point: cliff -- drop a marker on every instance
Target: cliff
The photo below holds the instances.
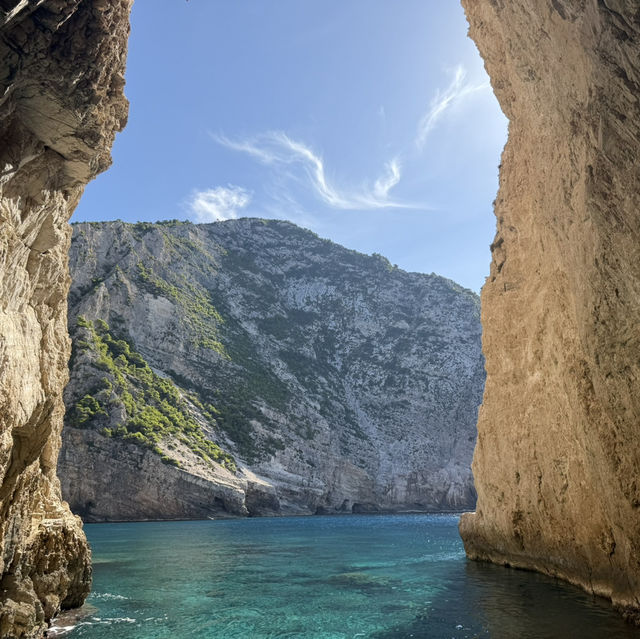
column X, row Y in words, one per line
column 557, row 458
column 61, row 101
column 250, row 367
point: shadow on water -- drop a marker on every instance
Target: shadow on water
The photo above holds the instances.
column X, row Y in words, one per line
column 485, row 600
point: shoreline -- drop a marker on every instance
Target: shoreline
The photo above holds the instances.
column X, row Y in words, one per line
column 292, row 515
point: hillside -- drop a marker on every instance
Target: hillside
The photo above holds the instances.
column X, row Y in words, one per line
column 250, row 367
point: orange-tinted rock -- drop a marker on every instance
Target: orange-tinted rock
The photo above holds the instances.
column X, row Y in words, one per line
column 557, row 460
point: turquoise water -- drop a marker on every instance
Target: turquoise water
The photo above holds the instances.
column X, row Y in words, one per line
column 384, row 577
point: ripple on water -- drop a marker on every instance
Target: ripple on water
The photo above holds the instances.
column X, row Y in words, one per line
column 391, row 577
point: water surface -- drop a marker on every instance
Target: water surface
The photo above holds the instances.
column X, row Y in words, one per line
column 384, row 577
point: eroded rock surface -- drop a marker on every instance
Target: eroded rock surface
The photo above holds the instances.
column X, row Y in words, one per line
column 558, row 455
column 330, row 381
column 61, row 101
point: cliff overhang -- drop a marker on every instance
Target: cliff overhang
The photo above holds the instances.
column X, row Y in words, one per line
column 61, row 102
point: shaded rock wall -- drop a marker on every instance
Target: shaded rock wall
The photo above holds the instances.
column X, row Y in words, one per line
column 557, row 459
column 108, row 479
column 61, row 101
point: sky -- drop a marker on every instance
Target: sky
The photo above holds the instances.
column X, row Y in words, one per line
column 370, row 122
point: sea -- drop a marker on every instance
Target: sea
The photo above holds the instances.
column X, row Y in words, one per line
column 334, row 577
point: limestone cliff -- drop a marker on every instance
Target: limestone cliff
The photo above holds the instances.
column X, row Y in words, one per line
column 61, row 101
column 251, row 367
column 558, row 454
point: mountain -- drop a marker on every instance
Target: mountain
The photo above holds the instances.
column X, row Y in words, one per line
column 250, row 367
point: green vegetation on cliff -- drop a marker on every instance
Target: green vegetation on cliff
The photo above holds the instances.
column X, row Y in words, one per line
column 193, row 301
column 329, row 372
column 152, row 407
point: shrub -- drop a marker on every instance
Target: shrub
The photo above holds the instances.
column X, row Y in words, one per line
column 154, row 406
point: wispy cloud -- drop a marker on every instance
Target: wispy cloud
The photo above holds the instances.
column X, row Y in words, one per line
column 219, row 203
column 277, row 148
column 456, row 92
column 293, row 161
column 387, row 181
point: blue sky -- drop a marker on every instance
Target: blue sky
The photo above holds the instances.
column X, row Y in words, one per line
column 370, row 122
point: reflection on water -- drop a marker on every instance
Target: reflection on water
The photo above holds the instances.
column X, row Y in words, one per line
column 492, row 601
column 387, row 577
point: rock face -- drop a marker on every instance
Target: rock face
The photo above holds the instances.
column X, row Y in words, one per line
column 330, row 381
column 558, row 453
column 61, row 102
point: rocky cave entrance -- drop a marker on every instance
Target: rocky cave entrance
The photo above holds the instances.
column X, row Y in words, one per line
column 567, row 222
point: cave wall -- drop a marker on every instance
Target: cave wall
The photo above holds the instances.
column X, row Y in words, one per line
column 557, row 460
column 61, row 102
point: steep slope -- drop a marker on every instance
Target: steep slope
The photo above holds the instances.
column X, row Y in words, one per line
column 556, row 465
column 328, row 380
column 61, row 81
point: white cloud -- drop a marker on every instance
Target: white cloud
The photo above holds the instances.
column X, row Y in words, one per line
column 456, row 92
column 276, row 147
column 219, row 203
column 294, row 161
column 387, row 181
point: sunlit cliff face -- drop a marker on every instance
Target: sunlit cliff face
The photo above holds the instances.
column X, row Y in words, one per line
column 332, row 380
column 558, row 454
